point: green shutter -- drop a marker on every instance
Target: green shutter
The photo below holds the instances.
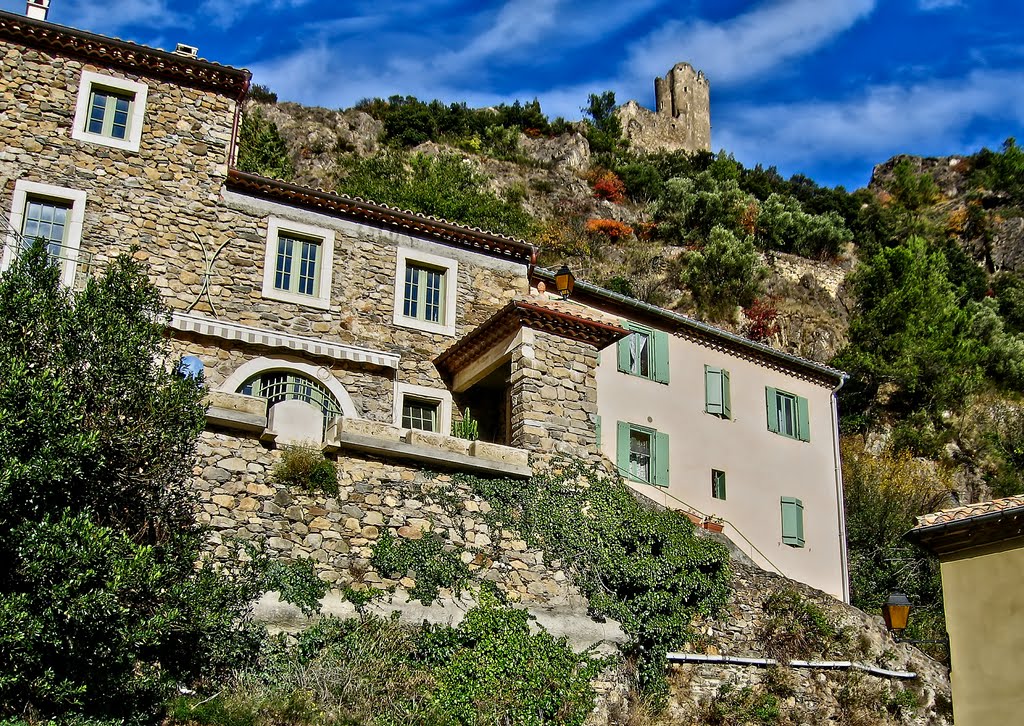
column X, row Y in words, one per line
column 803, row 421
column 717, row 484
column 726, row 397
column 597, row 431
column 792, row 521
column 660, row 340
column 623, row 349
column 713, row 402
column 622, row 447
column 773, row 411
column 661, row 457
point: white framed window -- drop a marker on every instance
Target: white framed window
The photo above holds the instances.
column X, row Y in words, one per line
column 55, row 214
column 298, row 264
column 110, row 111
column 425, row 292
column 423, row 408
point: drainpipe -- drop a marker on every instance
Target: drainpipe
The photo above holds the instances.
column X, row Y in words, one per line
column 839, row 490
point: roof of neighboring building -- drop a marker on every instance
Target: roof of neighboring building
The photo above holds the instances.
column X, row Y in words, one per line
column 366, row 211
column 124, row 54
column 703, row 333
column 539, row 313
column 973, row 525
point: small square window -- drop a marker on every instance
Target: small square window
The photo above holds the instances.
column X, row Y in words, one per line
column 419, row 414
column 299, row 258
column 110, row 111
column 425, row 292
column 717, row 484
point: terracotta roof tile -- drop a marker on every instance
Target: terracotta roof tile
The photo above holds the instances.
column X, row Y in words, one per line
column 958, row 514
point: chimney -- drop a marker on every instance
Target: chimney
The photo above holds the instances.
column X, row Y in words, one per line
column 189, row 51
column 38, row 9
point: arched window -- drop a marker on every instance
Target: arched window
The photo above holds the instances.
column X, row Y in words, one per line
column 277, row 386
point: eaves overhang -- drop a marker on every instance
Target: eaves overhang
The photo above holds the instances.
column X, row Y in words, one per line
column 361, row 210
column 971, row 526
column 114, row 52
column 703, row 333
column 537, row 315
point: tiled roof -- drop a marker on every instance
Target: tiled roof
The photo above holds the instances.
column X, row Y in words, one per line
column 969, row 511
column 107, row 51
column 361, row 209
column 566, row 319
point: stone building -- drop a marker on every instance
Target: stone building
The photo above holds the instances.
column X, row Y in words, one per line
column 365, row 330
column 682, row 117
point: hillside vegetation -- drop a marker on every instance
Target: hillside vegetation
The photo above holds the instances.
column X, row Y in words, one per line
column 929, row 321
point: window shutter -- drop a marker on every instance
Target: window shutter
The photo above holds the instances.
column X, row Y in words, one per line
column 803, row 421
column 623, row 349
column 713, row 402
column 726, row 397
column 773, row 411
column 622, row 447
column 660, row 340
column 597, row 431
column 661, row 457
column 792, row 522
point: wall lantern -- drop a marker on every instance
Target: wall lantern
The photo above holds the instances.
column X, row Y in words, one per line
column 564, row 282
column 896, row 612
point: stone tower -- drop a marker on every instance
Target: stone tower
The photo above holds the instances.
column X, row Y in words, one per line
column 682, row 121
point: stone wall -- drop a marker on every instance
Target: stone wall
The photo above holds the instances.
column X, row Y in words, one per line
column 805, row 695
column 238, row 498
column 554, row 395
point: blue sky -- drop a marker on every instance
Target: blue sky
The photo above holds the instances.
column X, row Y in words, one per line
column 825, row 88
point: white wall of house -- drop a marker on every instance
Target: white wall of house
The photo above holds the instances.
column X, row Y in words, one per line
column 760, row 466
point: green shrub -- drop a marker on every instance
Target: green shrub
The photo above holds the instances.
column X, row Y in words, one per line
column 741, row 706
column 261, row 150
column 425, row 559
column 795, row 627
column 305, row 466
column 723, row 274
column 645, row 568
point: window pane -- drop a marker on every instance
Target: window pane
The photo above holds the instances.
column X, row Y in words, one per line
column 412, row 292
column 283, row 270
column 639, row 354
column 97, row 109
column 119, row 129
column 640, row 455
column 432, row 304
column 47, row 221
column 307, row 269
column 418, row 414
column 786, row 410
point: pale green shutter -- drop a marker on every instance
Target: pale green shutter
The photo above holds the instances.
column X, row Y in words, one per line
column 726, row 397
column 792, row 521
column 660, row 340
column 773, row 409
column 661, row 457
column 622, row 447
column 623, row 349
column 803, row 421
column 713, row 402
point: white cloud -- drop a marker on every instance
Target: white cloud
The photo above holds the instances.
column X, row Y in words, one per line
column 929, row 5
column 98, row 16
column 749, row 45
column 224, row 13
column 932, row 117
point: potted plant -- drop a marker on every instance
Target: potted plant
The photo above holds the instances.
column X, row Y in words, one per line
column 713, row 524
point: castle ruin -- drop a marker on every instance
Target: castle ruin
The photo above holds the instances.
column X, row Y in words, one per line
column 682, row 121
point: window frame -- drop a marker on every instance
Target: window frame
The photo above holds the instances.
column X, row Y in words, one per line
column 24, row 192
column 91, row 81
column 792, row 521
column 801, row 414
column 660, row 453
column 440, row 396
column 276, row 226
column 657, row 352
column 718, row 486
column 449, row 312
